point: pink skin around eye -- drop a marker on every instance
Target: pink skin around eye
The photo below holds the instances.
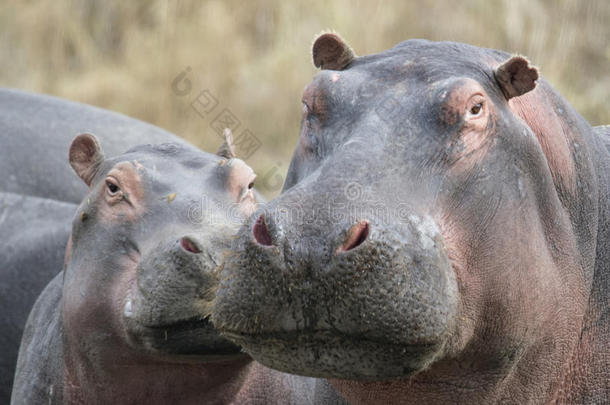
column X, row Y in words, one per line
column 112, row 187
column 240, row 177
column 128, row 200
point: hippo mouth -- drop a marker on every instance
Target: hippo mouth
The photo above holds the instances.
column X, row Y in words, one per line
column 194, row 337
column 316, row 353
column 318, row 335
column 185, row 325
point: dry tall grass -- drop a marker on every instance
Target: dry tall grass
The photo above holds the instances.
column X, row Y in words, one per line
column 254, row 56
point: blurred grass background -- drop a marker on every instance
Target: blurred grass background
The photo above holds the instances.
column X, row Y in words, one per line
column 254, row 57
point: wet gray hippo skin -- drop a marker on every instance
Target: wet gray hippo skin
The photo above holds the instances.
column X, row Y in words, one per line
column 124, row 322
column 35, row 130
column 34, row 235
column 38, row 188
column 442, row 237
column 604, row 133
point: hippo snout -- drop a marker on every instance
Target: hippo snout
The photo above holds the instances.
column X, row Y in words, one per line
column 297, row 285
column 178, row 274
column 171, row 294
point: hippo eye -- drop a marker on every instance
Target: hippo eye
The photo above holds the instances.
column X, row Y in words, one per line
column 112, row 188
column 251, row 185
column 476, row 109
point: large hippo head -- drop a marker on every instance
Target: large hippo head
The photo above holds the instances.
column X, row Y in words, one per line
column 146, row 245
column 439, row 214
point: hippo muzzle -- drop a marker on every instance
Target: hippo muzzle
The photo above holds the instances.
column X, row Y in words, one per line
column 147, row 244
column 164, row 310
column 293, row 295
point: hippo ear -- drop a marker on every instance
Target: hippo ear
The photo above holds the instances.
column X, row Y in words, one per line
column 227, row 149
column 516, row 77
column 331, row 52
column 86, row 156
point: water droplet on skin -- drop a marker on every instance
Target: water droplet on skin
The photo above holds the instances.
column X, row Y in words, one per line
column 127, row 310
column 520, row 185
column 170, row 197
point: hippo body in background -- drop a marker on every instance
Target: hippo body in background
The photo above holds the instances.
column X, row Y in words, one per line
column 35, row 131
column 124, row 322
column 443, row 236
column 38, row 188
column 34, row 234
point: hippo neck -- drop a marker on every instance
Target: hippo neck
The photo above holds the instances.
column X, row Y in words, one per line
column 566, row 141
column 155, row 382
column 580, row 167
column 452, row 381
column 587, row 371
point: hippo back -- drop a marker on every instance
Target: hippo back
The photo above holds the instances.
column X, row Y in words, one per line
column 36, row 131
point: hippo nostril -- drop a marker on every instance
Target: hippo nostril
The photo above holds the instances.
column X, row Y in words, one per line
column 355, row 236
column 188, row 245
column 261, row 232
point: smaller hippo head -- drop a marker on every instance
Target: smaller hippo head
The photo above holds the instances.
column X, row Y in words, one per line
column 146, row 244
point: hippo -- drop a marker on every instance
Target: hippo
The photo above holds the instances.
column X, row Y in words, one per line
column 442, row 237
column 124, row 322
column 38, row 187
